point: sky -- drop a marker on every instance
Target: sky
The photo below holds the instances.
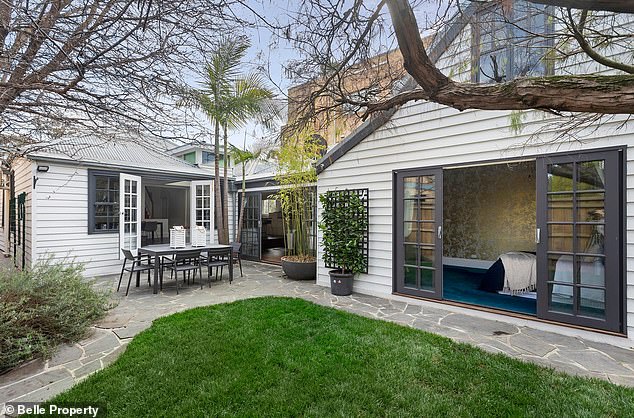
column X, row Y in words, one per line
column 274, row 53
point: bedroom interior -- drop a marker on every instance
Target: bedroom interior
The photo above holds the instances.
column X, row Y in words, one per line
column 489, row 236
column 524, row 236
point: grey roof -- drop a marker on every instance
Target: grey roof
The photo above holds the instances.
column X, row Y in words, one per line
column 135, row 155
column 451, row 31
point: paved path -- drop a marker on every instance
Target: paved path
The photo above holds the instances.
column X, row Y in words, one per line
column 41, row 380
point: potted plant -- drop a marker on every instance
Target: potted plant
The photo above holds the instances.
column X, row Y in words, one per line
column 297, row 177
column 343, row 224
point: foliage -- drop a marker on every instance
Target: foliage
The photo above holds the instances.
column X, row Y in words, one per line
column 297, row 176
column 289, row 357
column 343, row 224
column 43, row 307
column 242, row 157
column 230, row 99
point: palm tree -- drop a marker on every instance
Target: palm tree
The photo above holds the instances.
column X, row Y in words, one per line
column 229, row 99
column 248, row 99
column 242, row 157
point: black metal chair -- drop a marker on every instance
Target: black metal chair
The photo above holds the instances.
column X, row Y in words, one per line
column 215, row 259
column 186, row 262
column 137, row 267
column 237, row 254
column 150, row 228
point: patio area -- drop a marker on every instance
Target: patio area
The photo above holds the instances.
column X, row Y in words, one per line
column 39, row 380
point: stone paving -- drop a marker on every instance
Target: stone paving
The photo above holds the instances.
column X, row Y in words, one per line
column 40, row 380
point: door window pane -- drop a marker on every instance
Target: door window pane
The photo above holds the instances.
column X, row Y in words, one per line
column 409, row 231
column 560, row 268
column 560, row 238
column 426, row 258
column 427, row 233
column 591, row 270
column 561, row 298
column 591, row 175
column 410, row 276
column 560, row 177
column 590, row 239
column 410, row 254
column 560, row 207
column 410, row 186
column 426, row 279
column 592, row 302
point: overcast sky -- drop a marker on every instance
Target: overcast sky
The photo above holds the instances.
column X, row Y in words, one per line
column 269, row 50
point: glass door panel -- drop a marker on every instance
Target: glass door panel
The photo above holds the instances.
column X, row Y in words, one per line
column 202, row 206
column 418, row 261
column 579, row 212
column 251, row 226
column 130, row 214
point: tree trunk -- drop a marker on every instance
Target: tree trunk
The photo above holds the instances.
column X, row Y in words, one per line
column 225, row 194
column 609, row 94
column 217, row 195
column 242, row 204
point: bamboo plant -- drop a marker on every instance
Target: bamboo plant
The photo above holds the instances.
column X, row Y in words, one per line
column 297, row 176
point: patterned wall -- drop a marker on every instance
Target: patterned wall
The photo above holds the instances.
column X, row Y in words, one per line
column 489, row 210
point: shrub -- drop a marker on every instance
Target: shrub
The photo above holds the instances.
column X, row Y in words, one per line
column 43, row 307
column 343, row 224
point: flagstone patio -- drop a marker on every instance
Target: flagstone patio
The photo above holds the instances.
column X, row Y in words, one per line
column 40, row 380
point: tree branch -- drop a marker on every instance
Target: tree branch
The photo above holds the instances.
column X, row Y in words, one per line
column 619, row 6
column 612, row 94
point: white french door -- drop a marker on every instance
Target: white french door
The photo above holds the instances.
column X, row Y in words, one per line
column 130, row 214
column 202, row 206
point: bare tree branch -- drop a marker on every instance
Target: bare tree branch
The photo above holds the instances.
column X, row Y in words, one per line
column 619, row 6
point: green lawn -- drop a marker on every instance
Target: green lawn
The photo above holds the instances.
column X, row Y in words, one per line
column 289, row 357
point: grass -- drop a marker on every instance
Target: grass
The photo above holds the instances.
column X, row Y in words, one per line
column 289, row 357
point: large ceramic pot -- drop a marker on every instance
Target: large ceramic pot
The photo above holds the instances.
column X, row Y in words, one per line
column 341, row 283
column 299, row 270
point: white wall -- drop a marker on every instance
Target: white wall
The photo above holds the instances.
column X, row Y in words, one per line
column 61, row 222
column 427, row 134
column 61, row 227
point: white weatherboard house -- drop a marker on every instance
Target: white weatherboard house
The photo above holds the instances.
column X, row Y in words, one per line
column 477, row 210
column 88, row 198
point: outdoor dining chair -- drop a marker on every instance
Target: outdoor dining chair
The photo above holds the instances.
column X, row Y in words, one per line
column 186, row 262
column 215, row 260
column 236, row 248
column 137, row 266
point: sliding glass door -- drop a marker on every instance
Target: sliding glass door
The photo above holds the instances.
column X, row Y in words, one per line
column 252, row 226
column 579, row 234
column 418, row 229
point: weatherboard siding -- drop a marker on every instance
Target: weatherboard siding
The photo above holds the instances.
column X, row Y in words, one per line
column 61, row 227
column 426, row 135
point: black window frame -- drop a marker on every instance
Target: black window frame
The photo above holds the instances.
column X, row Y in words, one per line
column 92, row 196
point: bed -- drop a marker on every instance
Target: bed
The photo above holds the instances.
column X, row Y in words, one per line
column 513, row 273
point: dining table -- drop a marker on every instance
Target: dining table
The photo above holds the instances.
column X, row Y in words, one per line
column 159, row 250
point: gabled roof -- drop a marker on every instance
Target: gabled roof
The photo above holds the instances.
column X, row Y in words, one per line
column 444, row 39
column 179, row 149
column 118, row 154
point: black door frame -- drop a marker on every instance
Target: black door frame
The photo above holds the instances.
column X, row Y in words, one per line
column 622, row 165
column 257, row 196
column 398, row 241
column 613, row 247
